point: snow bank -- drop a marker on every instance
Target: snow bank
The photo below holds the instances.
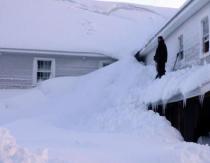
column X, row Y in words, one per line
column 114, row 98
column 103, row 117
column 10, row 152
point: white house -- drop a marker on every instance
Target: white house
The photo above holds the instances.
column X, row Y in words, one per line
column 23, row 68
column 187, row 34
column 46, row 39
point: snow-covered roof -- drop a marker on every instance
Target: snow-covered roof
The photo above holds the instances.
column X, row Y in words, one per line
column 52, row 52
column 189, row 8
column 114, row 29
column 178, row 85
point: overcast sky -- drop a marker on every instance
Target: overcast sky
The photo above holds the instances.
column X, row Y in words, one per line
column 163, row 3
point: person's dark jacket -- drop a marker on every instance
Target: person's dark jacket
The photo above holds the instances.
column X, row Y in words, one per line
column 161, row 54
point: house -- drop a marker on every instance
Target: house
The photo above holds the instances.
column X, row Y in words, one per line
column 46, row 39
column 187, row 39
column 25, row 68
column 187, row 34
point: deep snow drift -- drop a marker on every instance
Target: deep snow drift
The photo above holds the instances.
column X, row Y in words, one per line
column 110, row 28
column 101, row 117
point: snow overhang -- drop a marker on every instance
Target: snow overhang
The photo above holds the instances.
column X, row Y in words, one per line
column 199, row 91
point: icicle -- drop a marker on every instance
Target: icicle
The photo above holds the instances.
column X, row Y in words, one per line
column 165, row 102
column 184, row 102
column 201, row 99
column 154, row 107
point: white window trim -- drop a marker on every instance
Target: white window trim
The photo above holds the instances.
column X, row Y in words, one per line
column 202, row 54
column 102, row 62
column 35, row 61
column 181, row 50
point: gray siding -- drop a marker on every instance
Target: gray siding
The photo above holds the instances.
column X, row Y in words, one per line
column 16, row 69
column 75, row 66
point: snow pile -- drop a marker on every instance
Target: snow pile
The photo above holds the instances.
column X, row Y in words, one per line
column 102, row 117
column 113, row 29
column 11, row 153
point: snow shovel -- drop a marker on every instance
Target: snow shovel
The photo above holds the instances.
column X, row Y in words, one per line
column 177, row 56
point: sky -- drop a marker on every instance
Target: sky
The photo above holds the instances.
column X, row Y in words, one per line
column 162, row 3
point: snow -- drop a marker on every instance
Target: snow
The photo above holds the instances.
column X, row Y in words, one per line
column 178, row 83
column 9, row 93
column 99, row 117
column 102, row 117
column 10, row 152
column 113, row 29
column 166, row 3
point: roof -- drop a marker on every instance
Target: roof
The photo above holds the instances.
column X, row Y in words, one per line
column 200, row 91
column 177, row 85
column 113, row 29
column 189, row 9
column 52, row 52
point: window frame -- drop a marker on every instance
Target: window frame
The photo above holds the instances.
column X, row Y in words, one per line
column 181, row 47
column 203, row 35
column 35, row 69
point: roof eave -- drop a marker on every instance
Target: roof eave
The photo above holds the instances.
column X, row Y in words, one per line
column 54, row 52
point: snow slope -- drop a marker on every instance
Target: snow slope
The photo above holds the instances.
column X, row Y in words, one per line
column 101, row 117
column 115, row 29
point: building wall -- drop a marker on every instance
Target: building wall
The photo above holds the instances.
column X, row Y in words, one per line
column 16, row 70
column 192, row 32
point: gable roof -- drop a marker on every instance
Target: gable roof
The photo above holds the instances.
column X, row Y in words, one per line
column 110, row 28
column 190, row 8
column 52, row 52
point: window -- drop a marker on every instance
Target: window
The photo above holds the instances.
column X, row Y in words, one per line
column 44, row 69
column 181, row 47
column 205, row 35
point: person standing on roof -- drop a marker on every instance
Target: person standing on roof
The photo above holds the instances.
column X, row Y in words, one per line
column 161, row 57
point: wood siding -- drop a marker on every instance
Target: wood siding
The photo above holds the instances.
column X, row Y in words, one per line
column 16, row 69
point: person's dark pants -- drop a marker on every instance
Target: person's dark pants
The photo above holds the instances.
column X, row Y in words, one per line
column 160, row 70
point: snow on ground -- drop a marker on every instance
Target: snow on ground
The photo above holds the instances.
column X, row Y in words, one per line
column 10, row 152
column 8, row 93
column 110, row 28
column 100, row 117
